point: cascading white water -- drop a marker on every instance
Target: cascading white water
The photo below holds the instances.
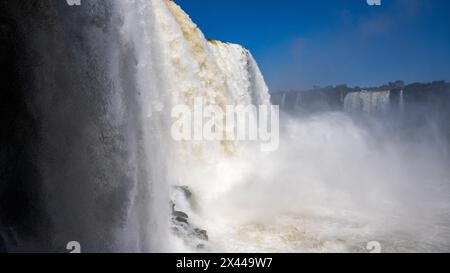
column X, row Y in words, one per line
column 402, row 102
column 367, row 102
column 298, row 100
column 175, row 65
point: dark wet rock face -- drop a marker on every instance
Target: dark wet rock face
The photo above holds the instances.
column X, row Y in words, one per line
column 202, row 234
column 180, row 216
column 181, row 225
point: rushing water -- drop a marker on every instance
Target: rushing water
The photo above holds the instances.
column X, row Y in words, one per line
column 176, row 65
column 371, row 102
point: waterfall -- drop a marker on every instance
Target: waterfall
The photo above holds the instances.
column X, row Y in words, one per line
column 298, row 101
column 402, row 102
column 91, row 95
column 88, row 154
column 227, row 195
column 367, row 102
column 283, row 100
column 175, row 65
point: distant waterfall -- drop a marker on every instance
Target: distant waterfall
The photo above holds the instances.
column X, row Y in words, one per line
column 371, row 102
column 298, row 100
column 283, row 100
column 402, row 102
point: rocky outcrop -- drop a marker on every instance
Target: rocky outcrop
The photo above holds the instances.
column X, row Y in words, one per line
column 181, row 224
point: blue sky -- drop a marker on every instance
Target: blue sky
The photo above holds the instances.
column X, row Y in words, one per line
column 302, row 43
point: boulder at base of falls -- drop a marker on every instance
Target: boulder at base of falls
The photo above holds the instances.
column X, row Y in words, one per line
column 181, row 224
